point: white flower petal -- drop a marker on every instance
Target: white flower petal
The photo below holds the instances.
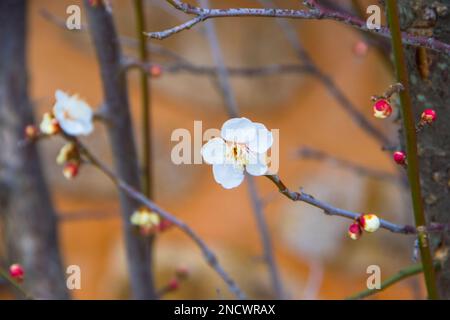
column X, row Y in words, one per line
column 257, row 165
column 240, row 130
column 262, row 140
column 213, row 152
column 259, row 169
column 61, row 95
column 228, row 175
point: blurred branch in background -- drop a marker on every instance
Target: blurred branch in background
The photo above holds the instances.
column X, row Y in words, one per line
column 316, row 12
column 106, row 42
column 319, row 155
column 27, row 213
column 224, row 85
column 131, row 192
column 357, row 116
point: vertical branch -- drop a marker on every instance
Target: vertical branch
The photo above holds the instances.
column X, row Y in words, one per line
column 139, row 249
column 145, row 100
column 411, row 147
column 29, row 219
column 233, row 111
column 265, row 238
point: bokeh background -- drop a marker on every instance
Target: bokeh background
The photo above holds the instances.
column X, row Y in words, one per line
column 316, row 258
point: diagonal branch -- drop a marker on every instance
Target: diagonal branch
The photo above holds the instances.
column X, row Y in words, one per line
column 133, row 193
column 333, row 211
column 317, row 13
column 399, row 276
column 355, row 114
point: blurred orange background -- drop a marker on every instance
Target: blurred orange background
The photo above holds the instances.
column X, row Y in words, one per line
column 316, row 258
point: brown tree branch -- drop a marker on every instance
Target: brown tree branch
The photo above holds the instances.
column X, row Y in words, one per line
column 333, row 211
column 317, row 13
column 106, row 41
column 30, row 232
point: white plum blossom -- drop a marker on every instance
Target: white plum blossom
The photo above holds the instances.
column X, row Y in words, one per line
column 242, row 147
column 73, row 114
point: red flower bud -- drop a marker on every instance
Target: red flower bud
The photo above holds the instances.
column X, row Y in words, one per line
column 354, row 231
column 428, row 116
column 16, row 272
column 173, row 284
column 164, row 225
column 399, row 157
column 382, row 109
column 70, row 170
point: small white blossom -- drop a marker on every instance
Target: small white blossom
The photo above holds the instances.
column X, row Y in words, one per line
column 73, row 114
column 242, row 147
column 49, row 125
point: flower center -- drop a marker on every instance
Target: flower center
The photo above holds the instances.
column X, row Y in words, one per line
column 67, row 115
column 237, row 153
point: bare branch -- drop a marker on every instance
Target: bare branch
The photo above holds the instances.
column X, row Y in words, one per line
column 333, row 211
column 317, row 13
column 203, row 70
column 106, row 42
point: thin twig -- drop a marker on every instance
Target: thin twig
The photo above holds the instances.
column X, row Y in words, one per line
column 318, row 13
column 333, row 211
column 203, row 70
column 15, row 284
column 399, row 276
column 411, row 148
column 266, row 240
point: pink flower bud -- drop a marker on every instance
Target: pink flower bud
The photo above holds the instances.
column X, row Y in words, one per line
column 155, row 70
column 164, row 225
column 16, row 271
column 369, row 222
column 70, row 170
column 360, row 48
column 428, row 116
column 31, row 132
column 354, row 231
column 382, row 109
column 399, row 157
